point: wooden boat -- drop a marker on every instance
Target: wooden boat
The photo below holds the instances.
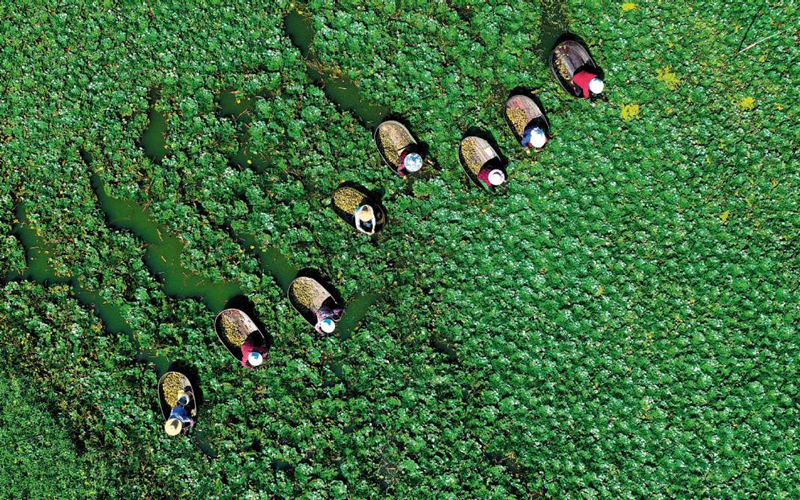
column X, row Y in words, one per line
column 306, row 296
column 520, row 111
column 475, row 152
column 346, row 201
column 170, row 386
column 393, row 139
column 233, row 327
column 568, row 58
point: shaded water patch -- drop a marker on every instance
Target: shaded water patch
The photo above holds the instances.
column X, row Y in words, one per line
column 154, row 139
column 245, row 158
column 234, row 104
column 555, row 22
column 39, row 270
column 355, row 311
column 339, row 88
column 163, row 254
column 270, row 260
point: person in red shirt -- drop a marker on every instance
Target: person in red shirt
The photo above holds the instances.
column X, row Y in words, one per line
column 590, row 83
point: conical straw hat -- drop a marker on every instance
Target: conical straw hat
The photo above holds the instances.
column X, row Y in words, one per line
column 365, row 213
column 173, row 427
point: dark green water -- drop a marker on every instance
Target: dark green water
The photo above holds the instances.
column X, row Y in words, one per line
column 234, row 104
column 154, row 140
column 163, row 254
column 246, row 158
column 271, row 260
column 39, row 270
column 555, row 22
column 357, row 308
column 339, row 88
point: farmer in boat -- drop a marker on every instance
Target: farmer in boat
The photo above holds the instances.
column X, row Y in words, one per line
column 365, row 219
column 491, row 176
column 327, row 316
column 409, row 162
column 590, row 83
column 252, row 353
column 533, row 137
column 179, row 416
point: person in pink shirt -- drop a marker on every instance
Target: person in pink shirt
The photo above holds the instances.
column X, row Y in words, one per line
column 252, row 354
column 491, row 176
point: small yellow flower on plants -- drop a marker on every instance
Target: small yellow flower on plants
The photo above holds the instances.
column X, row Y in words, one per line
column 628, row 6
column 667, row 76
column 747, row 103
column 724, row 216
column 630, row 112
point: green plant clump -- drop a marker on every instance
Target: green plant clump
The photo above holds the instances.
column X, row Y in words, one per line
column 619, row 321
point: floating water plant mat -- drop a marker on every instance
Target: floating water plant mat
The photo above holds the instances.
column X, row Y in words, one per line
column 474, row 153
column 170, row 387
column 520, row 111
column 567, row 58
column 233, row 327
column 392, row 138
column 347, row 199
column 307, row 295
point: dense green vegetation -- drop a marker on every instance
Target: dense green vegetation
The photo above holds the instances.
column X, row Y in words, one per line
column 620, row 321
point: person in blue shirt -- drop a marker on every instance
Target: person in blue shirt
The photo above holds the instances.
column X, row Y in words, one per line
column 179, row 416
column 533, row 137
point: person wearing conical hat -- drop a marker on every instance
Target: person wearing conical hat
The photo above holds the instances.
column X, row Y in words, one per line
column 533, row 137
column 491, row 176
column 179, row 418
column 590, row 83
column 327, row 316
column 365, row 219
column 253, row 355
column 409, row 162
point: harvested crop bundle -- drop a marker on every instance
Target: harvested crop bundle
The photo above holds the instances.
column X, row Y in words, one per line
column 394, row 140
column 473, row 154
column 173, row 385
column 348, row 199
column 235, row 326
column 518, row 118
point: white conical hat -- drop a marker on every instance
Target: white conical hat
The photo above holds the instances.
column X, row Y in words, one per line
column 497, row 177
column 412, row 162
column 327, row 325
column 596, row 85
column 538, row 137
column 173, row 427
column 255, row 358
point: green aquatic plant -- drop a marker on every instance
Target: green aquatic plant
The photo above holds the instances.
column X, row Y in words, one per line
column 620, row 322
